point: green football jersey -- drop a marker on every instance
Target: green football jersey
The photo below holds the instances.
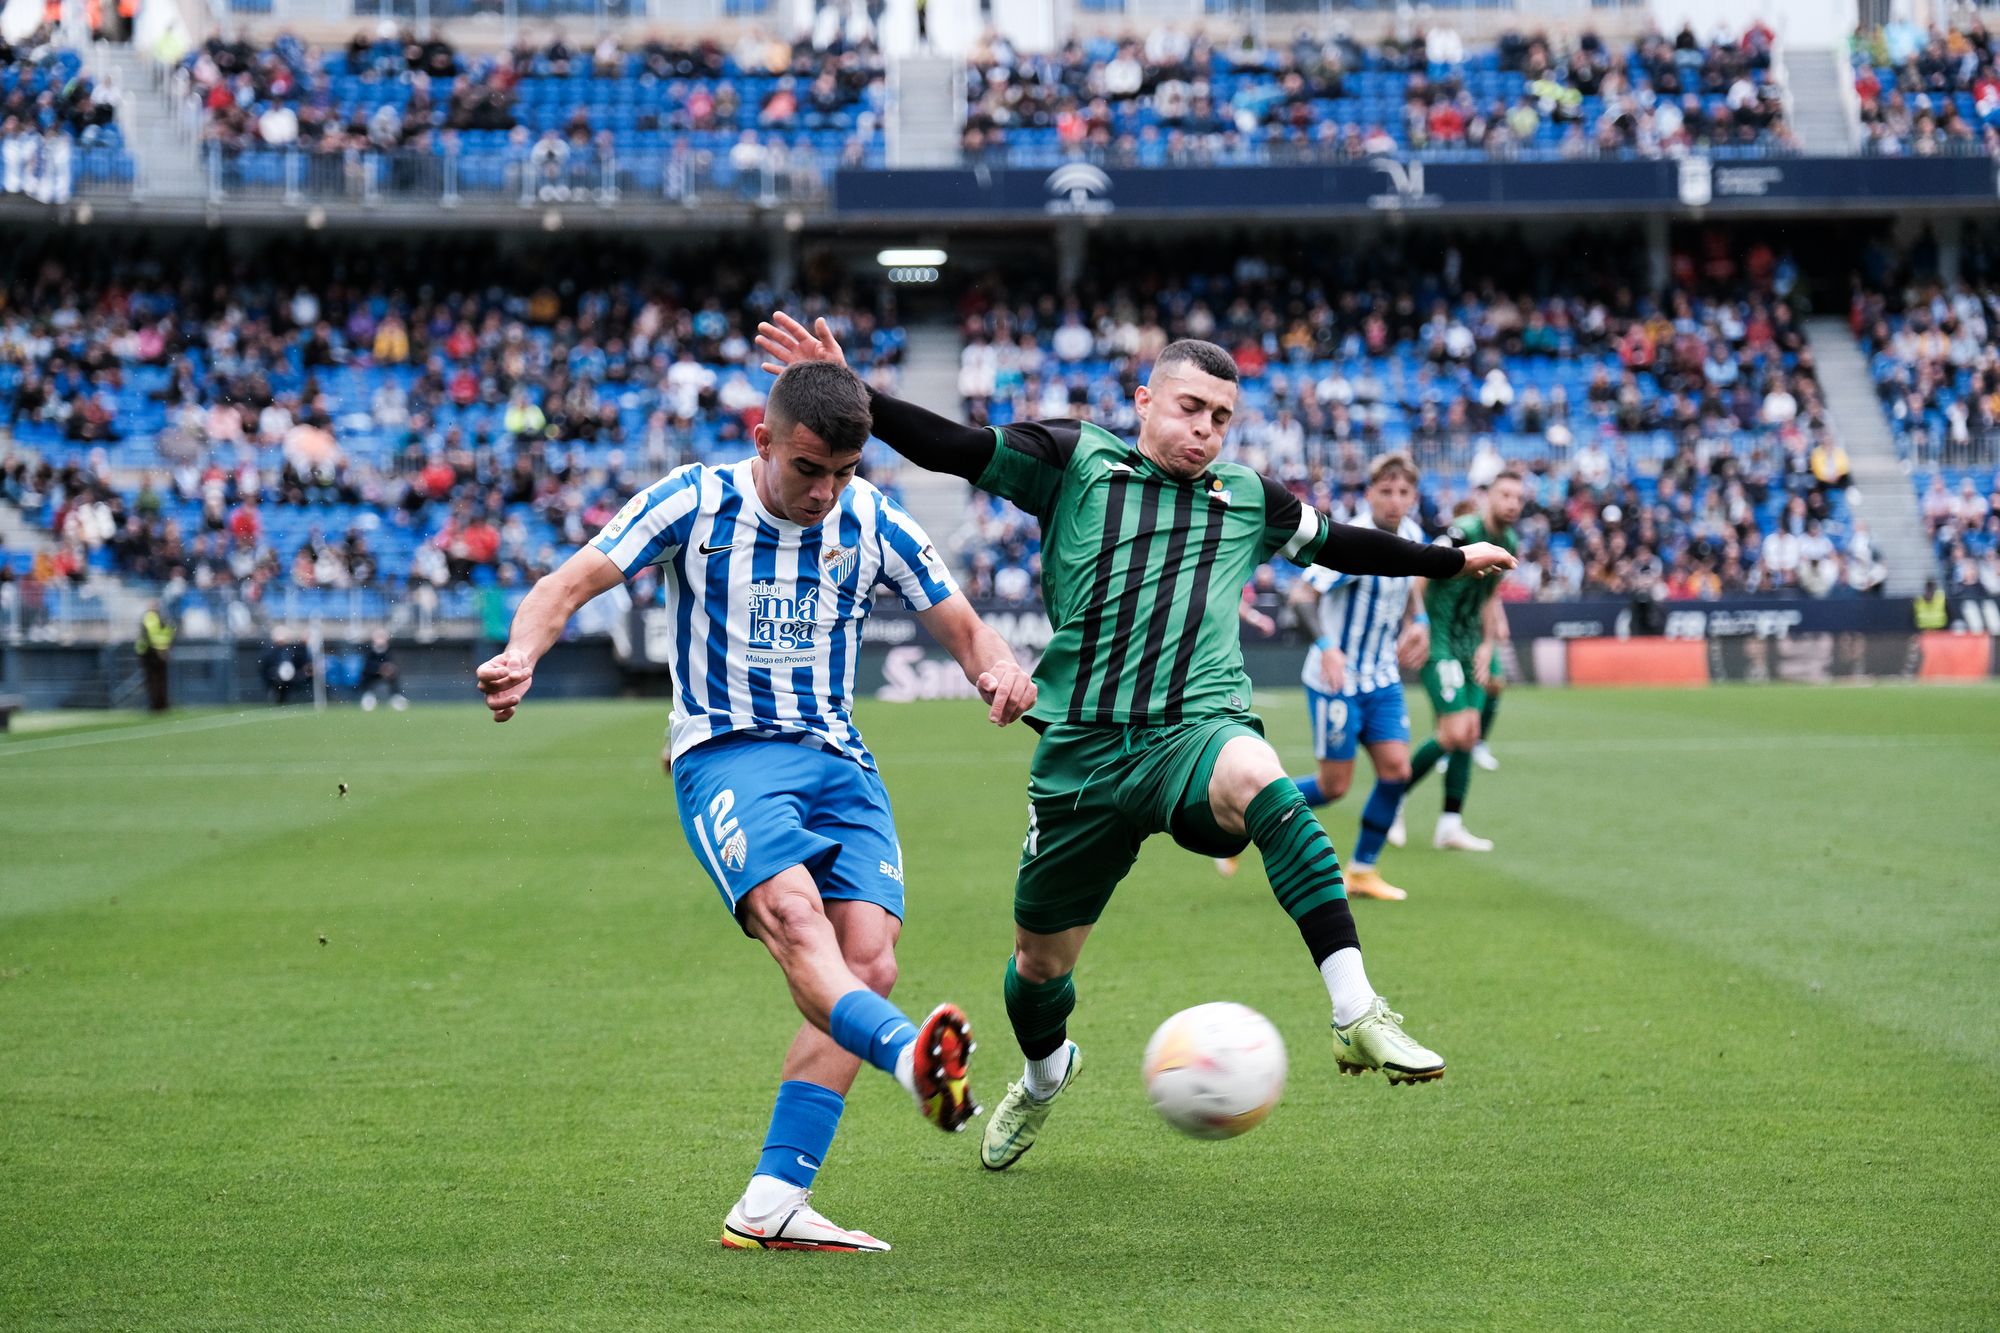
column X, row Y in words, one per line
column 1457, row 608
column 1142, row 572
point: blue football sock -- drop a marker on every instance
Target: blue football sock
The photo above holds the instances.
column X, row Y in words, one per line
column 802, row 1124
column 1376, row 817
column 1309, row 788
column 865, row 1024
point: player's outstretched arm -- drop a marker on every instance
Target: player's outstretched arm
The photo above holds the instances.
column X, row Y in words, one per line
column 505, row 679
column 936, row 443
column 984, row 657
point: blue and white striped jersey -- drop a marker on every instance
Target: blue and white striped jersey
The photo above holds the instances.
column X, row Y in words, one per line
column 1360, row 614
column 767, row 614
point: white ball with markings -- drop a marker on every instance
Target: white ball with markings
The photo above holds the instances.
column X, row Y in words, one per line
column 1216, row 1070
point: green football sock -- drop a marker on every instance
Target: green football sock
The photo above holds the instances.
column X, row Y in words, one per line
column 1039, row 1011
column 1298, row 856
column 1487, row 712
column 1424, row 760
column 1457, row 779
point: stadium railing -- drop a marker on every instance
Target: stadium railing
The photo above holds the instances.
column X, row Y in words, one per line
column 449, row 177
column 1200, row 153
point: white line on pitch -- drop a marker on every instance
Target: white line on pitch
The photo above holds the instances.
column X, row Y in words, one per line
column 112, row 735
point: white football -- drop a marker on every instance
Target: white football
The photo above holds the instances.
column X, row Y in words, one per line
column 1216, row 1070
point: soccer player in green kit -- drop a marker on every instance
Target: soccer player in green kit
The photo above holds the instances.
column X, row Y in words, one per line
column 1468, row 626
column 1143, row 701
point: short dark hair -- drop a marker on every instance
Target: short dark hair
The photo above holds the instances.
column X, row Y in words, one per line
column 827, row 399
column 1204, row 356
column 1509, row 474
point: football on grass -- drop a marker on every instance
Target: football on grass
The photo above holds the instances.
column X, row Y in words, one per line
column 1216, row 1070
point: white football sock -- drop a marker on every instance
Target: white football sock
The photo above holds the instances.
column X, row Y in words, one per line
column 1347, row 983
column 1450, row 823
column 1360, row 865
column 766, row 1193
column 1045, row 1075
column 906, row 1065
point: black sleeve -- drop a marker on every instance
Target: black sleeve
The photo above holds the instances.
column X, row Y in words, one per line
column 929, row 440
column 1354, row 550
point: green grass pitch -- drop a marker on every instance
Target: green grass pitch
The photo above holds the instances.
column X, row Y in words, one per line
column 474, row 1045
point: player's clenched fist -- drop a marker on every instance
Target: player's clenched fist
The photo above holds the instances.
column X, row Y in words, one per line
column 1482, row 558
column 1010, row 691
column 504, row 680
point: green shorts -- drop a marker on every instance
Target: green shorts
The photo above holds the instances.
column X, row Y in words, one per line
column 1449, row 683
column 1096, row 793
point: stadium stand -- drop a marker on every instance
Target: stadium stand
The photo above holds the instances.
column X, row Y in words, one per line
column 1933, row 354
column 547, row 120
column 365, row 428
column 1926, row 92
column 1174, row 98
column 1669, row 443
column 56, row 124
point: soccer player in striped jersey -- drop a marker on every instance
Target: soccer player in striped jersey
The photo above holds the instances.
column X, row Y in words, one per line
column 1144, row 706
column 1362, row 626
column 769, row 567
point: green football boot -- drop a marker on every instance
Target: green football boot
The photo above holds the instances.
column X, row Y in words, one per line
column 1376, row 1040
column 1011, row 1129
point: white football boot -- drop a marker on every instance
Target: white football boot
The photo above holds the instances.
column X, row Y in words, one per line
column 794, row 1225
column 1453, row 836
column 1484, row 757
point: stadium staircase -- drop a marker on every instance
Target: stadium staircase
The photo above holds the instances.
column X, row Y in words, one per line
column 1887, row 500
column 930, row 379
column 923, row 126
column 166, row 165
column 1820, row 113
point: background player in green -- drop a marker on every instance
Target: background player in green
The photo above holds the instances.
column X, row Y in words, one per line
column 1468, row 626
column 1143, row 702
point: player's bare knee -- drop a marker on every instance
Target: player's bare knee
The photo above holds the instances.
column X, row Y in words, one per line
column 791, row 922
column 1036, row 963
column 875, row 968
column 1391, row 770
column 1335, row 780
column 1244, row 768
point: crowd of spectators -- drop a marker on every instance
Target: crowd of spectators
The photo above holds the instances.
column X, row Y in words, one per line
column 1964, row 524
column 1174, row 96
column 43, row 91
column 391, row 420
column 1672, row 441
column 1928, row 91
column 543, row 104
column 1932, row 351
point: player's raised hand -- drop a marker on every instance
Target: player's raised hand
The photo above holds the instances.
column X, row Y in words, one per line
column 1482, row 558
column 504, row 680
column 1010, row 691
column 790, row 343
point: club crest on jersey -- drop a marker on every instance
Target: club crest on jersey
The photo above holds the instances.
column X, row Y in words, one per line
column 736, row 851
column 1218, row 492
column 839, row 562
column 782, row 621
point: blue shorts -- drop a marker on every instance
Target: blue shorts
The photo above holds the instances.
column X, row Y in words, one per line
column 1341, row 722
column 752, row 806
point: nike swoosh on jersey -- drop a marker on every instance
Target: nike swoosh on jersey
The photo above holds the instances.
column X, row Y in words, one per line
column 706, row 549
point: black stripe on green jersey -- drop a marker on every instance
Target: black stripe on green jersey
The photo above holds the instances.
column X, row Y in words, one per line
column 1166, row 599
column 1139, row 573
column 1210, row 520
column 1093, row 618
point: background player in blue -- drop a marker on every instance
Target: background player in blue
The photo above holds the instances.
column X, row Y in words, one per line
column 1361, row 626
column 1365, row 627
column 770, row 568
